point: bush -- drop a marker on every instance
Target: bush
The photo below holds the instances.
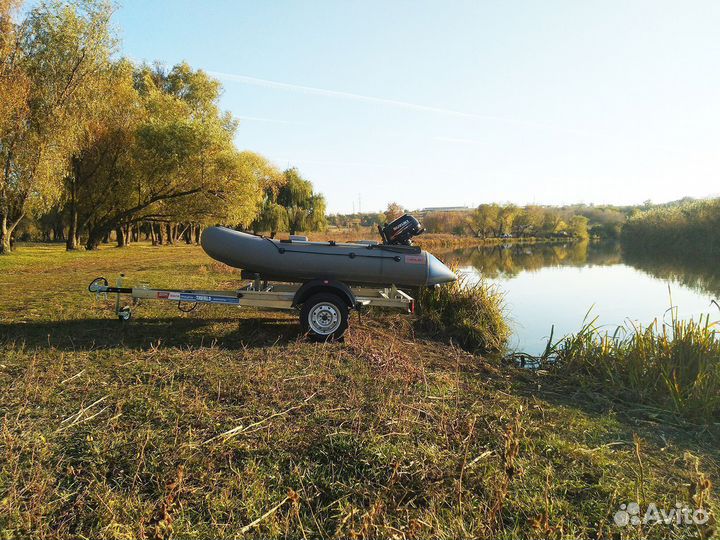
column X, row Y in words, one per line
column 471, row 314
column 691, row 228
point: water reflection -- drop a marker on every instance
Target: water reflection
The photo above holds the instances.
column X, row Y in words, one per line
column 701, row 274
column 508, row 260
column 556, row 284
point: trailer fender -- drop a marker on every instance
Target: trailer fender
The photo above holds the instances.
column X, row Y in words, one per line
column 315, row 286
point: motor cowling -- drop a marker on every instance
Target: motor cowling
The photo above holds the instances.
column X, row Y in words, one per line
column 400, row 231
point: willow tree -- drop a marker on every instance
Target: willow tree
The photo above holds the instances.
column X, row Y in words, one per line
column 104, row 147
column 233, row 196
column 98, row 182
column 169, row 157
column 305, row 209
column 57, row 53
column 484, row 220
column 14, row 91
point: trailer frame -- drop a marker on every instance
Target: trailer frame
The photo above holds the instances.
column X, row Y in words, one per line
column 262, row 294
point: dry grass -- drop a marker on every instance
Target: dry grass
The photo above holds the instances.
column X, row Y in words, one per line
column 428, row 241
column 225, row 424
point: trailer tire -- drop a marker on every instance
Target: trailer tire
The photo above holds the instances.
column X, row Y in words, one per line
column 324, row 317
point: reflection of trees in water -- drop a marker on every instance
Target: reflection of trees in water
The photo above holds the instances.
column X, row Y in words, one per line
column 699, row 273
column 510, row 259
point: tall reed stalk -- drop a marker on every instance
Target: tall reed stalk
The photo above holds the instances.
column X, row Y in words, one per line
column 672, row 365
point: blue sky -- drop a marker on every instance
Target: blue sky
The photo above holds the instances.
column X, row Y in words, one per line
column 458, row 103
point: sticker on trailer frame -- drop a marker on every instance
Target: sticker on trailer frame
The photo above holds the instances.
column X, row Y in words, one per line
column 209, row 298
column 167, row 295
column 414, row 259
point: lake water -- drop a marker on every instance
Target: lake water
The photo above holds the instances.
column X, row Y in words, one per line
column 557, row 284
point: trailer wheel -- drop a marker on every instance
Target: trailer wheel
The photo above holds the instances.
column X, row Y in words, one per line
column 324, row 317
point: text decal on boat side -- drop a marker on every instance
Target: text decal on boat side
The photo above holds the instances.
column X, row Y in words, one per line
column 414, row 259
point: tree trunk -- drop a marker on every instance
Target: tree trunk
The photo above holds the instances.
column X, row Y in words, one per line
column 198, row 232
column 120, row 236
column 6, row 233
column 5, row 247
column 94, row 239
column 168, row 233
column 126, row 229
column 72, row 239
column 152, row 234
column 160, row 234
column 58, row 232
column 4, row 236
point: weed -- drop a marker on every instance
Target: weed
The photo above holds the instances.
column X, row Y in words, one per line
column 470, row 313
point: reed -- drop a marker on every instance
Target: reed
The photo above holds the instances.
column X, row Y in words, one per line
column 470, row 313
column 690, row 229
column 673, row 365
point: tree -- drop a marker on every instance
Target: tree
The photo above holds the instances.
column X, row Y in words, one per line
column 506, row 216
column 393, row 211
column 235, row 195
column 305, row 210
column 552, row 222
column 445, row 222
column 527, row 221
column 60, row 50
column 272, row 217
column 484, row 220
column 578, row 227
column 111, row 118
column 176, row 160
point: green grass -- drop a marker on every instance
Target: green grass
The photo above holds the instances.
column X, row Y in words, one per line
column 224, row 423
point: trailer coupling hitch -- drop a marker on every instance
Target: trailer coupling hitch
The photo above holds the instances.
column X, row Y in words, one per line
column 100, row 286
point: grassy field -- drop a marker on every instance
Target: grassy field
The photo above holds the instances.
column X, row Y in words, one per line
column 226, row 423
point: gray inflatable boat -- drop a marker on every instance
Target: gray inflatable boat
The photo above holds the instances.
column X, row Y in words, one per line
column 300, row 260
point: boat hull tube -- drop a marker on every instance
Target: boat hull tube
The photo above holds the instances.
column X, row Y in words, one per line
column 298, row 261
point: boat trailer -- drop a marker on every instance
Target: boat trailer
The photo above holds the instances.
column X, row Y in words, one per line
column 323, row 304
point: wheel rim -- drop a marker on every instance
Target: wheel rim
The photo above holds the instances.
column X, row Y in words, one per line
column 324, row 318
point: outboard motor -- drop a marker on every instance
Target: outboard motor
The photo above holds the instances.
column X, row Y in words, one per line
column 400, row 231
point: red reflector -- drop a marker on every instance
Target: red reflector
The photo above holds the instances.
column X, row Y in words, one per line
column 412, row 306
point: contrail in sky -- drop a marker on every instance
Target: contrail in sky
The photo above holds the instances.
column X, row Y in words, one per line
column 338, row 94
column 270, row 120
column 382, row 101
column 312, row 90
